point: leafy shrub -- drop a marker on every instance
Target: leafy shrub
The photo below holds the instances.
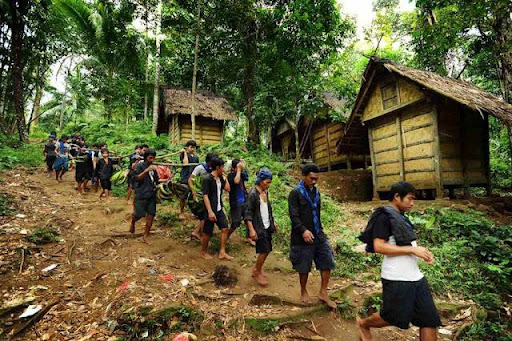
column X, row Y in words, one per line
column 26, row 155
column 6, row 206
column 44, row 236
column 473, row 254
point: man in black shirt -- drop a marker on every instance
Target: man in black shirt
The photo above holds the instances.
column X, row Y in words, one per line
column 145, row 181
column 187, row 156
column 406, row 296
column 50, row 154
column 213, row 184
column 308, row 240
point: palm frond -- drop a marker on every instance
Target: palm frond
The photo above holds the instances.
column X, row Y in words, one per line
column 78, row 12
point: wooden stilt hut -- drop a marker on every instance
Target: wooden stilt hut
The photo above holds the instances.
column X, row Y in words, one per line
column 176, row 110
column 420, row 127
column 318, row 138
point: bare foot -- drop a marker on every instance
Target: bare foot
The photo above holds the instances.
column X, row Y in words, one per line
column 262, row 280
column 225, row 256
column 206, row 256
column 145, row 239
column 194, row 235
column 325, row 298
column 254, row 272
column 132, row 229
column 363, row 332
column 304, row 298
column 181, row 216
column 250, row 241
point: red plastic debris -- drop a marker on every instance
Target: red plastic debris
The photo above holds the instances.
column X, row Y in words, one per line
column 123, row 286
column 165, row 278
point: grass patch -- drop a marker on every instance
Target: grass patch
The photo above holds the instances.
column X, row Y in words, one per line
column 155, row 325
column 27, row 155
column 44, row 235
column 6, row 205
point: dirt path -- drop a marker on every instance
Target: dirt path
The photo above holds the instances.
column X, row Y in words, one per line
column 102, row 278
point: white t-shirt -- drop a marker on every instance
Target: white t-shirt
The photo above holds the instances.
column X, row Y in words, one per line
column 199, row 170
column 219, row 193
column 265, row 217
column 401, row 268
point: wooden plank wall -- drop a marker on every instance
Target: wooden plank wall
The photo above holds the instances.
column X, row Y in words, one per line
column 324, row 137
column 403, row 147
column 207, row 131
column 464, row 144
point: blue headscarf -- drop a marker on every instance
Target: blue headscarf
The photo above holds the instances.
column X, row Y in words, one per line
column 314, row 204
column 263, row 174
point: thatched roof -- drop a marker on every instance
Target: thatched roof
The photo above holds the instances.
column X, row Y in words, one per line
column 179, row 102
column 462, row 92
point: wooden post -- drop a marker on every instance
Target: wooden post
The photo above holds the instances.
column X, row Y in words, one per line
column 464, row 160
column 328, row 147
column 365, row 158
column 487, row 158
column 171, row 130
column 178, row 130
column 437, row 151
column 374, row 167
column 400, row 147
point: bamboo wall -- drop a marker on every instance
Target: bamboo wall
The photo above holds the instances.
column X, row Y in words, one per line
column 429, row 143
column 208, row 131
column 324, row 136
column 403, row 148
column 463, row 137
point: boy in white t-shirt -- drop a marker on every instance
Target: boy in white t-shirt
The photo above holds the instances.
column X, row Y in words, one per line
column 406, row 296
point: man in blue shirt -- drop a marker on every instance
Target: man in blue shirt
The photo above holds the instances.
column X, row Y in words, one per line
column 238, row 197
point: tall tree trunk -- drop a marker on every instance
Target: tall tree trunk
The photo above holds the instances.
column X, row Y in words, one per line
column 194, row 73
column 108, row 97
column 63, row 104
column 34, row 115
column 146, row 79
column 249, row 56
column 18, row 9
column 157, row 67
column 503, row 31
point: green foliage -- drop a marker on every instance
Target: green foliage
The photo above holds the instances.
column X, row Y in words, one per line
column 472, row 253
column 264, row 326
column 487, row 330
column 44, row 235
column 345, row 309
column 6, row 205
column 13, row 154
column 156, row 325
column 500, row 155
column 349, row 262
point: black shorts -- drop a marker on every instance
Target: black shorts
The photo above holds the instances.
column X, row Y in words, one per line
column 145, row 207
column 82, row 173
column 408, row 302
column 302, row 256
column 182, row 191
column 106, row 184
column 50, row 160
column 237, row 214
column 264, row 242
column 222, row 222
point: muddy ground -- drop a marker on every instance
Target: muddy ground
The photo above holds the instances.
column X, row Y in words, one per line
column 108, row 286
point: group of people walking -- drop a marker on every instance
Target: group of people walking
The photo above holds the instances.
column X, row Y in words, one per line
column 406, row 296
column 90, row 164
